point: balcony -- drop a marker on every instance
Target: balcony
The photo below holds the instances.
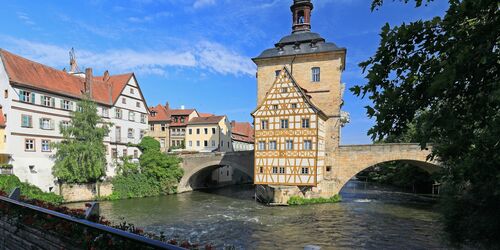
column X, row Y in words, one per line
column 125, row 140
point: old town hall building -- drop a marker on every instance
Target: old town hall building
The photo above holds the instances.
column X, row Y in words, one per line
column 298, row 118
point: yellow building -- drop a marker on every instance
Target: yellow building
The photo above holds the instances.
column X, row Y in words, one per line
column 208, row 134
column 299, row 75
column 159, row 123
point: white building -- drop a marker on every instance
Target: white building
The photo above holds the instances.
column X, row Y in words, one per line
column 37, row 99
column 242, row 136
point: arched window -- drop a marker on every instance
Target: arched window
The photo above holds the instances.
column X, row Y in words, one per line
column 315, row 74
column 300, row 17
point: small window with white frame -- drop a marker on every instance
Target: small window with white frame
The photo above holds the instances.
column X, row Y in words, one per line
column 282, row 170
column 29, row 145
column 26, row 96
column 46, row 124
column 66, row 104
column 307, row 145
column 105, row 112
column 264, row 124
column 118, row 113
column 131, row 116
column 306, row 123
column 124, row 100
column 289, row 144
column 46, row 146
column 284, row 123
column 316, row 74
column 262, row 145
column 275, row 170
column 48, row 101
column 272, row 145
column 130, row 133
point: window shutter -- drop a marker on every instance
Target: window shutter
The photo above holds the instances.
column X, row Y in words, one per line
column 53, row 102
column 33, row 98
column 61, row 103
column 52, row 126
column 41, row 123
column 21, row 94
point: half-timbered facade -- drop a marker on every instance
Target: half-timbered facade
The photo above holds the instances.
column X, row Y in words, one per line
column 289, row 136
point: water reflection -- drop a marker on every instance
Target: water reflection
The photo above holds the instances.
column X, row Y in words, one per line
column 371, row 218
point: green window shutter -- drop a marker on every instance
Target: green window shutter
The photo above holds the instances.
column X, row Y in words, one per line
column 21, row 94
column 41, row 123
column 33, row 98
column 53, row 102
column 61, row 103
column 52, row 126
column 30, row 121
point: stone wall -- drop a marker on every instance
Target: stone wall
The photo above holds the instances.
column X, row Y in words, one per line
column 14, row 236
column 85, row 192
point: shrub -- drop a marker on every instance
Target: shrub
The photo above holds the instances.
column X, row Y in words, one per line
column 296, row 200
column 9, row 182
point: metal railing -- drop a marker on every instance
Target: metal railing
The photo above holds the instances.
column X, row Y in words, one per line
column 110, row 230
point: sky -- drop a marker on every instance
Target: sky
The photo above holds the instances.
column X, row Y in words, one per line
column 197, row 53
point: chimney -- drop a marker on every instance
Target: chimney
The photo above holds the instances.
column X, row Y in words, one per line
column 233, row 123
column 88, row 81
column 106, row 76
column 167, row 106
column 182, row 107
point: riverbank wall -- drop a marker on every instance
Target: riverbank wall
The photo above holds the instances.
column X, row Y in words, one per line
column 85, row 192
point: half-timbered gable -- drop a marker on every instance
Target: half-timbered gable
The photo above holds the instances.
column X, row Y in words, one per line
column 289, row 136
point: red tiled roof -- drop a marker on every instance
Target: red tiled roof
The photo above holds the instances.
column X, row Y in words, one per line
column 206, row 115
column 181, row 111
column 2, row 119
column 242, row 131
column 24, row 72
column 206, row 120
column 161, row 114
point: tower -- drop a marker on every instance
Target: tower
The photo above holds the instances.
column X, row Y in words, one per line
column 313, row 70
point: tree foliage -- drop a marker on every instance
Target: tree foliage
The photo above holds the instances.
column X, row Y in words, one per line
column 443, row 75
column 81, row 155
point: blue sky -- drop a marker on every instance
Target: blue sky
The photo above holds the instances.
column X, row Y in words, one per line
column 196, row 52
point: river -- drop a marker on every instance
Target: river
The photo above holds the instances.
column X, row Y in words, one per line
column 369, row 217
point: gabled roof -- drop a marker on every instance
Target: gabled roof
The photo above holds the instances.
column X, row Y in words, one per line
column 161, row 114
column 181, row 111
column 27, row 73
column 206, row 120
column 205, row 114
column 242, row 131
column 301, row 90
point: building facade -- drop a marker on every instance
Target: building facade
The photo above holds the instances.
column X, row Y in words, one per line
column 159, row 125
column 209, row 134
column 38, row 99
column 242, row 134
column 313, row 66
column 179, row 121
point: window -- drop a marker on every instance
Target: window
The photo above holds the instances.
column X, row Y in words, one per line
column 262, row 145
column 315, row 74
column 6, row 94
column 261, row 170
column 118, row 134
column 124, row 100
column 282, row 170
column 163, row 127
column 272, row 145
column 46, row 146
column 136, row 154
column 305, row 170
column 66, row 105
column 307, row 145
column 46, row 124
column 190, row 131
column 294, row 105
column 118, row 113
column 328, row 169
column 206, row 131
column 205, row 143
column 275, row 170
column 105, row 112
column 152, row 127
column 131, row 116
column 197, row 131
column 277, row 73
column 138, row 104
column 26, row 96
column 162, row 142
column 48, row 101
column 114, row 153
column 284, row 90
column 284, row 123
column 142, row 133
column 213, row 131
column 29, row 144
column 64, row 124
column 264, row 124
column 213, row 143
column 26, row 121
column 131, row 90
column 125, row 153
column 197, row 143
column 130, row 133
column 289, row 144
column 143, row 118
column 190, row 143
column 183, row 119
column 275, row 107
column 305, row 123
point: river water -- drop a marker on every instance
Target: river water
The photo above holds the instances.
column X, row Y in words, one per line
column 369, row 217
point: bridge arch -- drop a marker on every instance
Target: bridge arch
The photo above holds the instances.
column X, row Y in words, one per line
column 351, row 160
column 198, row 166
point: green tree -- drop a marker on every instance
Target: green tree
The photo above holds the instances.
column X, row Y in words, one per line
column 443, row 75
column 81, row 155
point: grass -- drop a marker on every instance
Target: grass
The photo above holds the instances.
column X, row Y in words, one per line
column 296, row 200
column 9, row 182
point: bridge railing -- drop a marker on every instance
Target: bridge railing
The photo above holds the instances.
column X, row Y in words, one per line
column 26, row 210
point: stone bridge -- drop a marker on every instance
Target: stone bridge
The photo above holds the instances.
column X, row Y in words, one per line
column 352, row 159
column 199, row 166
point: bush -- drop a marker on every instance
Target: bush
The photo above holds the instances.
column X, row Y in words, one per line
column 134, row 186
column 296, row 200
column 9, row 182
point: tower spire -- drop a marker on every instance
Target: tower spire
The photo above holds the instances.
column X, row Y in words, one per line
column 301, row 10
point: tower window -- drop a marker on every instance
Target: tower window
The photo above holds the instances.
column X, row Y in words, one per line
column 300, row 17
column 316, row 74
column 277, row 72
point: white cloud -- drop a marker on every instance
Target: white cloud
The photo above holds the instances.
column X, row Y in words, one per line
column 209, row 56
column 25, row 18
column 149, row 18
column 202, row 3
